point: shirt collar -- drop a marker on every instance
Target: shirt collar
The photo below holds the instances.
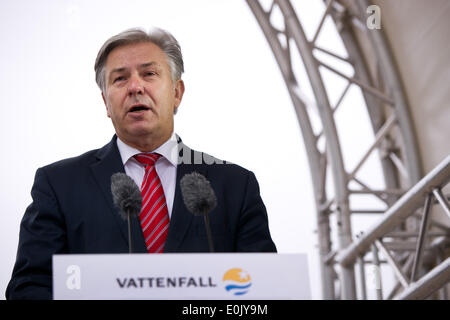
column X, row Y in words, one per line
column 169, row 150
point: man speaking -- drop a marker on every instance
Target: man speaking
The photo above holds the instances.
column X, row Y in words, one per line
column 72, row 211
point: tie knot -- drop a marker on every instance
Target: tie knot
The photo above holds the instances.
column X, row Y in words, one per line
column 147, row 159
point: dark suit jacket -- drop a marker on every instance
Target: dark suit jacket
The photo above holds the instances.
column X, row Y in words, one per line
column 73, row 212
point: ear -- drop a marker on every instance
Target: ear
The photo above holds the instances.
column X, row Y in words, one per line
column 106, row 105
column 178, row 91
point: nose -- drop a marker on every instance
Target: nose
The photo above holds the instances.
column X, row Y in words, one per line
column 135, row 86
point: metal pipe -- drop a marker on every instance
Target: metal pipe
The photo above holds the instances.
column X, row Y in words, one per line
column 420, row 240
column 380, row 135
column 378, row 192
column 399, row 211
column 366, row 190
column 402, row 245
column 332, row 54
column 406, row 269
column 413, row 234
column 363, row 86
column 322, row 20
column 438, row 194
column 338, row 103
column 362, row 278
column 368, row 211
column 428, row 284
column 397, row 270
column 329, row 258
column 400, row 167
column 376, row 262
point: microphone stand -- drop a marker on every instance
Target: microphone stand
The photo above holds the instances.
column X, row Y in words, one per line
column 208, row 232
column 130, row 240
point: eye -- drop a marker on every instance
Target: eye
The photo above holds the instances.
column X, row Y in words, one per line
column 150, row 73
column 120, row 78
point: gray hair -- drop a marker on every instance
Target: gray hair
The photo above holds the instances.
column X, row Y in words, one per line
column 162, row 38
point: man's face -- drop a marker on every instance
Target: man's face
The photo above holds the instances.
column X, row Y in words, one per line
column 140, row 96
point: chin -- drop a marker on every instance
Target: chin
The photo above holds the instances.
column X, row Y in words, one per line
column 140, row 130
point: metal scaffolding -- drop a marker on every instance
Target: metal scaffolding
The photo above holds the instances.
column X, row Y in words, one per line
column 412, row 244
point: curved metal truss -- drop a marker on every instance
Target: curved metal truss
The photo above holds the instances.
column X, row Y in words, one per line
column 399, row 237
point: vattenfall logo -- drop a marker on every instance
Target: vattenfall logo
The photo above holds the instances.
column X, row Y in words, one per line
column 237, row 281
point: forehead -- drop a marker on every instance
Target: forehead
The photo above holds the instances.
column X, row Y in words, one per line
column 134, row 55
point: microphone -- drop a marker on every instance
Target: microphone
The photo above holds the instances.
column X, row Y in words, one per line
column 127, row 197
column 199, row 198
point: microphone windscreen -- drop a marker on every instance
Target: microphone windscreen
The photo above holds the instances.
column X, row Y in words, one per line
column 126, row 195
column 198, row 195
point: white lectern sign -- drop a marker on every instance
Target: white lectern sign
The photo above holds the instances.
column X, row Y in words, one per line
column 208, row 276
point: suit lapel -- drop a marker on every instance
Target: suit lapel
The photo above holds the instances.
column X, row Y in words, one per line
column 181, row 218
column 108, row 163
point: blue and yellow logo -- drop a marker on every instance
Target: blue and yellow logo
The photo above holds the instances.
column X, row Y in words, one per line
column 237, row 281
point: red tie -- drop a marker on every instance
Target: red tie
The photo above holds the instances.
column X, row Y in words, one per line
column 154, row 216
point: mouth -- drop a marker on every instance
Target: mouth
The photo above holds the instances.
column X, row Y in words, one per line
column 138, row 108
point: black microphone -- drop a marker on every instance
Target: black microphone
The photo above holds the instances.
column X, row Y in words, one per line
column 199, row 198
column 127, row 197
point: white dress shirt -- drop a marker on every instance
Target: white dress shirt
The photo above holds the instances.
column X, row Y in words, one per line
column 166, row 166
